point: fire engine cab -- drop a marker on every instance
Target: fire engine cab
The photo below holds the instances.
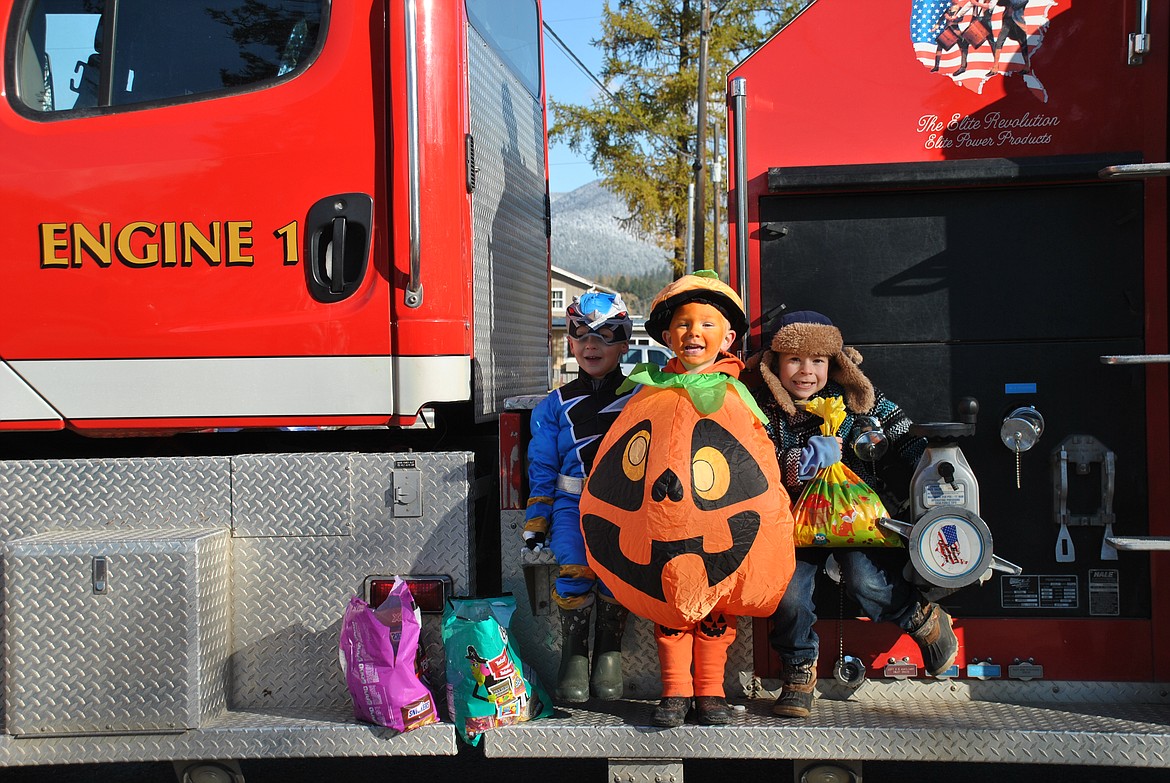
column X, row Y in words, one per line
column 273, row 268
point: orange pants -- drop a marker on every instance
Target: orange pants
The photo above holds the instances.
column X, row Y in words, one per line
column 694, row 660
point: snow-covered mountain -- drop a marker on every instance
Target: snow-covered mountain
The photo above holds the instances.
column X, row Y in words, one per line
column 588, row 239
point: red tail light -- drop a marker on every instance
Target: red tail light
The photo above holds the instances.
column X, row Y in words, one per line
column 429, row 592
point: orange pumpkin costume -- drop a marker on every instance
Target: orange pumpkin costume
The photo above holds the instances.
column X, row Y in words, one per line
column 684, row 514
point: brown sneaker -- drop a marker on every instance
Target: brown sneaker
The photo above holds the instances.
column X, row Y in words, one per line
column 796, row 697
column 671, row 711
column 713, row 710
column 935, row 637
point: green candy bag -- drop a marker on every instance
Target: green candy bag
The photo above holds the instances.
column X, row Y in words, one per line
column 488, row 684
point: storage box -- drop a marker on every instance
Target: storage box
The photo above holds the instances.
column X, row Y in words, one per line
column 116, row 631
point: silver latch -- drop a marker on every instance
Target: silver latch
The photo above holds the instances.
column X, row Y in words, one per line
column 407, row 492
column 100, row 575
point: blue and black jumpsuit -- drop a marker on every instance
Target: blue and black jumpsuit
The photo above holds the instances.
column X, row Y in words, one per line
column 567, row 428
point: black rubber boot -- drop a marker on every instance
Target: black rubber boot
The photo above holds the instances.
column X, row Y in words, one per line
column 606, row 680
column 573, row 677
column 796, row 697
column 931, row 629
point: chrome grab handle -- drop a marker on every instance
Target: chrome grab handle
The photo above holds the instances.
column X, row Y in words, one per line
column 1139, row 42
column 1135, row 171
column 737, row 97
column 1137, row 358
column 413, row 294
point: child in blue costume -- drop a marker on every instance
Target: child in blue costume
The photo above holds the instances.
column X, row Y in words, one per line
column 567, row 427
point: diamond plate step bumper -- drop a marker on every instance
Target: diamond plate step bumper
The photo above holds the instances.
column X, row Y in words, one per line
column 1093, row 724
column 237, row 735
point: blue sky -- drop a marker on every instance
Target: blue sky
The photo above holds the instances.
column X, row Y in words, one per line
column 576, row 22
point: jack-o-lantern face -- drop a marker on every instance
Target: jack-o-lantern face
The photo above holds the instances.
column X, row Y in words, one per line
column 620, row 477
column 684, row 513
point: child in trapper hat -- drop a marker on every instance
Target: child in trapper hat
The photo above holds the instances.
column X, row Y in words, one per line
column 807, row 359
column 683, row 515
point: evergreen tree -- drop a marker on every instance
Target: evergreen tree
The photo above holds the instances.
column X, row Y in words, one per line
column 638, row 291
column 643, row 141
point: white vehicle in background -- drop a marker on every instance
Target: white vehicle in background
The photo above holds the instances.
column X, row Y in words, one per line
column 655, row 354
column 638, row 354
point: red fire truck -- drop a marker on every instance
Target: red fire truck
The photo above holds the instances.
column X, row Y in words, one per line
column 229, row 222
column 975, row 193
column 299, row 249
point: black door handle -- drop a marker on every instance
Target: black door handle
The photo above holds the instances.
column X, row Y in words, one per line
column 337, row 272
column 338, row 235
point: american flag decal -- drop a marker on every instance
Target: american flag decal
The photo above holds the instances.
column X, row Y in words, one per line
column 974, row 41
column 947, row 546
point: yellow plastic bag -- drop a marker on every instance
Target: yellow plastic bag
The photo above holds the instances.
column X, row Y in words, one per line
column 837, row 508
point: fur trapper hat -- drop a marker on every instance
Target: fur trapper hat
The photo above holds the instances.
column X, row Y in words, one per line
column 809, row 333
column 703, row 286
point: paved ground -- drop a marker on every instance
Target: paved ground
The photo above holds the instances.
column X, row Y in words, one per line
column 471, row 767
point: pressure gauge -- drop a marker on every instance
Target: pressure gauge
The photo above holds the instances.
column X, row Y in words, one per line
column 950, row 546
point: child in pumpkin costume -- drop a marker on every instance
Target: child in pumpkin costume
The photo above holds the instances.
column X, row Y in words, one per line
column 567, row 427
column 807, row 358
column 683, row 515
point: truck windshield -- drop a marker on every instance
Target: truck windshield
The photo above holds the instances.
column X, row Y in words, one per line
column 159, row 51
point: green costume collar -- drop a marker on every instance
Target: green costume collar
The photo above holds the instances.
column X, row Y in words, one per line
column 706, row 390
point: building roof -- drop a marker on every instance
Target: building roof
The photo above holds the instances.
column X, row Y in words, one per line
column 584, row 282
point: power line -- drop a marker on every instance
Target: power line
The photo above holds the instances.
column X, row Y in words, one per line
column 613, row 98
column 576, row 18
column 564, row 47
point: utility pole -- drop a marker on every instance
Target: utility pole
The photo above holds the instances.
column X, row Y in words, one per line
column 716, row 197
column 688, row 257
column 700, row 208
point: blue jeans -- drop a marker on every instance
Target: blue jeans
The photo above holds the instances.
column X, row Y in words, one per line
column 880, row 589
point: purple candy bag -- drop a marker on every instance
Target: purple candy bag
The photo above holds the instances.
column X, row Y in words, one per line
column 383, row 663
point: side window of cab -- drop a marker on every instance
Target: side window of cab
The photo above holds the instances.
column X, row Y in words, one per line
column 78, row 55
column 512, row 29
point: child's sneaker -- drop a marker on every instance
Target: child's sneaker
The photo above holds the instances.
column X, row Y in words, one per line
column 671, row 711
column 713, row 710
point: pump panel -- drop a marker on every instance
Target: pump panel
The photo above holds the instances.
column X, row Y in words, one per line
column 1009, row 295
